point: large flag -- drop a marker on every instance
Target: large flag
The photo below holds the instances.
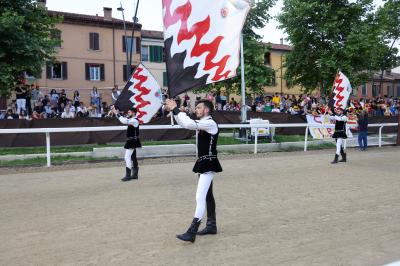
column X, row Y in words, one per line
column 341, row 91
column 202, row 41
column 142, row 92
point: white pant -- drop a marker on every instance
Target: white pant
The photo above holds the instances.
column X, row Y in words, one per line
column 202, row 188
column 128, row 160
column 21, row 105
column 340, row 143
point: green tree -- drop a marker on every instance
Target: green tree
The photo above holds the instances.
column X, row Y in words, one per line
column 257, row 74
column 328, row 36
column 25, row 40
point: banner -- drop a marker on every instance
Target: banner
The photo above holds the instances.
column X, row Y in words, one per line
column 341, row 91
column 325, row 133
column 202, row 41
column 142, row 92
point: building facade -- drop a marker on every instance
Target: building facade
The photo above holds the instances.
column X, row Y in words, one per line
column 92, row 53
column 389, row 86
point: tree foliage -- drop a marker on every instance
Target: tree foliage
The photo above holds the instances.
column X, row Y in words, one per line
column 25, row 40
column 331, row 35
column 257, row 74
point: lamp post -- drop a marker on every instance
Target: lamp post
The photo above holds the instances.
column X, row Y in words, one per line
column 126, row 41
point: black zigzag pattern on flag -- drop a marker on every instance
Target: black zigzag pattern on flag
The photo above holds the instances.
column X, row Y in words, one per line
column 181, row 79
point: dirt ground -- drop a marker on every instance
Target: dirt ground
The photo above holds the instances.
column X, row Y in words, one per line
column 272, row 209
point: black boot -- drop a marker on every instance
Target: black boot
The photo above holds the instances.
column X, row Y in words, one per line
column 190, row 234
column 127, row 176
column 211, row 227
column 135, row 172
column 344, row 159
column 336, row 159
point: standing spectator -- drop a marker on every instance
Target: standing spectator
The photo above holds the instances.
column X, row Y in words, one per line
column 95, row 98
column 76, row 99
column 28, row 100
column 223, row 100
column 363, row 130
column 115, row 94
column 35, row 95
column 54, row 97
column 20, row 93
column 67, row 113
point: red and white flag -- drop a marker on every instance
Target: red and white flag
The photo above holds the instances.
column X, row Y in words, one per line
column 202, row 41
column 142, row 92
column 341, row 91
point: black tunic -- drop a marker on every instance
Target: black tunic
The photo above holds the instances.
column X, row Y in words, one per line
column 340, row 130
column 132, row 138
column 207, row 160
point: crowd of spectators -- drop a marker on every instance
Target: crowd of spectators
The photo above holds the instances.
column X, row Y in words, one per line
column 30, row 103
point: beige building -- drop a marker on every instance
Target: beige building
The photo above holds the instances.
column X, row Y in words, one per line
column 92, row 53
column 153, row 55
column 275, row 59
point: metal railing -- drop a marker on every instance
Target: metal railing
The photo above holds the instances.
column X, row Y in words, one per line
column 47, row 131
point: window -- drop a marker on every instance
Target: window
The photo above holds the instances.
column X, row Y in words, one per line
column 375, row 90
column 130, row 72
column 267, row 59
column 145, row 53
column 364, row 90
column 390, row 91
column 165, row 79
column 398, row 91
column 156, row 54
column 94, row 41
column 94, row 72
column 129, row 42
column 57, row 70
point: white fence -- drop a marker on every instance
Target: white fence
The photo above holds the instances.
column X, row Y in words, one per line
column 47, row 131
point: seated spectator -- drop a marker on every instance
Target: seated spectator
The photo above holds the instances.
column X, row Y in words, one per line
column 67, row 113
column 23, row 115
column 37, row 115
column 104, row 109
column 92, row 110
column 259, row 107
column 48, row 110
column 10, row 115
column 82, row 110
column 276, row 109
column 268, row 106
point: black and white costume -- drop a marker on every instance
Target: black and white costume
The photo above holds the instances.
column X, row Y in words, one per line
column 206, row 166
column 340, row 136
column 132, row 142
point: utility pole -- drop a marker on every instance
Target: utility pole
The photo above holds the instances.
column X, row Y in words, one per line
column 126, row 41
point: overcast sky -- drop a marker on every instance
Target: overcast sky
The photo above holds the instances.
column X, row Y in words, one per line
column 150, row 13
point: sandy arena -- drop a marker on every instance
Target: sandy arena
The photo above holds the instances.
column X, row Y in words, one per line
column 272, row 209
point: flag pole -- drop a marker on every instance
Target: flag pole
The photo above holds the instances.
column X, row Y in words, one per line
column 244, row 108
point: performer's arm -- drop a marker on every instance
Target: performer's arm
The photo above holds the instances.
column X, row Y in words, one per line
column 185, row 121
column 128, row 121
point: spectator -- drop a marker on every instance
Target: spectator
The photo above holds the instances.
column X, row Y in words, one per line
column 63, row 98
column 92, row 111
column 36, row 94
column 48, row 110
column 223, row 99
column 24, row 115
column 20, row 93
column 10, row 115
column 115, row 94
column 276, row 100
column 53, row 97
column 95, row 99
column 82, row 110
column 260, row 107
column 76, row 99
column 362, row 121
column 276, row 109
column 67, row 113
column 104, row 109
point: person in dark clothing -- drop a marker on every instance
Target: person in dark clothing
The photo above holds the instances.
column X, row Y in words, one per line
column 362, row 121
column 132, row 143
column 206, row 165
column 339, row 134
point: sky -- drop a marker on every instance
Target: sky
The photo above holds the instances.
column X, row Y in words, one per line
column 150, row 13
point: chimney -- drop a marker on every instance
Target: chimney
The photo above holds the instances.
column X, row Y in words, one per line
column 107, row 13
column 281, row 40
column 42, row 3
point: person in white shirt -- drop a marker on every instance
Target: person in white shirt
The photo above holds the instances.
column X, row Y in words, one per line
column 67, row 113
column 339, row 134
column 206, row 165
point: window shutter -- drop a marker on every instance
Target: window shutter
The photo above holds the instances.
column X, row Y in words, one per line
column 96, row 41
column 102, row 72
column 48, row 70
column 91, row 41
column 64, row 70
column 151, row 53
column 138, row 45
column 165, row 79
column 87, row 71
column 123, row 44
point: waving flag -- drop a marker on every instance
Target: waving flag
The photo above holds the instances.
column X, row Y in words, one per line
column 142, row 92
column 341, row 91
column 202, row 41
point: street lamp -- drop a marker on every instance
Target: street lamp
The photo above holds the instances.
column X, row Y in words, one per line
column 128, row 67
